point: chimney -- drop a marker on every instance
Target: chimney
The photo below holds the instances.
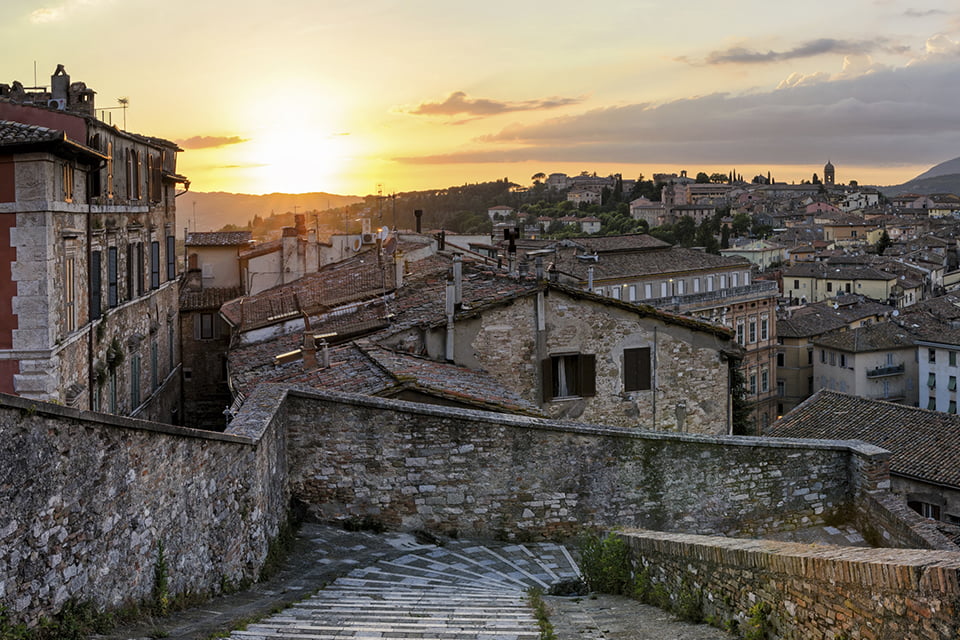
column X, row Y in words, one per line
column 589, row 278
column 59, row 84
column 309, row 352
column 451, row 294
column 538, row 268
column 300, row 223
column 457, row 281
column 418, row 213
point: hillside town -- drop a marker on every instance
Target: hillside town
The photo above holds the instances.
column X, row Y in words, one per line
column 824, row 310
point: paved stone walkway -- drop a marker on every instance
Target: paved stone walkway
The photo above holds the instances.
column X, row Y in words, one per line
column 393, row 586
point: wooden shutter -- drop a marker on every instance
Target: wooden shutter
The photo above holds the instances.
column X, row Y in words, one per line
column 588, row 375
column 546, row 378
column 636, row 369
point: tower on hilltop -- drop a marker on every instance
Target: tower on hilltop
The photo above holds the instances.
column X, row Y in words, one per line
column 829, row 173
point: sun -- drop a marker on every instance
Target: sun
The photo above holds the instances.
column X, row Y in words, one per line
column 290, row 159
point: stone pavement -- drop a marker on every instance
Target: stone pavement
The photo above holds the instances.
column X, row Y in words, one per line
column 360, row 585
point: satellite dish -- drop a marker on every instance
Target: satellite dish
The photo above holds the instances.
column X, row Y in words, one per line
column 895, row 313
column 356, row 243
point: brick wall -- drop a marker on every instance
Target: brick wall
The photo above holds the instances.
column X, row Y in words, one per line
column 814, row 591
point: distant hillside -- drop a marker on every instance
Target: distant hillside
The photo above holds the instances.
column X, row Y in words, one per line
column 211, row 211
column 942, row 178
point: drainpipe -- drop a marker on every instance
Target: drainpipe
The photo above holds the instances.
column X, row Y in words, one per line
column 590, row 279
column 451, row 294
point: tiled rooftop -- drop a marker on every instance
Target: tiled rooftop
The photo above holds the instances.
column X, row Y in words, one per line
column 209, row 298
column 219, row 238
column 925, row 444
column 643, row 263
column 819, row 318
column 15, row 133
column 873, row 337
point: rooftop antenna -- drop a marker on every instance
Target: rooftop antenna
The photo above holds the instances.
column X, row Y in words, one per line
column 34, row 73
column 124, row 101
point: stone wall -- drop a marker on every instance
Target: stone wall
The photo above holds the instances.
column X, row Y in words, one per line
column 813, row 591
column 85, row 499
column 455, row 470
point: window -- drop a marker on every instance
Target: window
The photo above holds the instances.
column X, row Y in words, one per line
column 932, row 381
column 764, row 380
column 155, row 265
column 953, row 358
column 131, row 271
column 70, row 293
column 696, row 285
column 833, row 359
column 171, row 258
column 847, row 287
column 925, row 509
column 664, row 289
column 740, row 334
column 709, row 283
column 150, row 194
column 96, row 301
column 809, row 356
column 596, row 290
column 203, row 327
column 829, row 287
column 615, row 293
column 781, row 392
column 843, row 361
column 632, row 293
column 823, row 356
column 953, row 407
column 781, row 359
column 135, row 381
column 112, row 276
column 952, row 385
column 931, row 356
column 753, row 329
column 67, row 181
column 566, row 376
column 139, row 268
column 681, row 287
column 753, row 383
column 636, row 369
column 734, row 279
column 796, row 284
column 648, row 291
column 723, row 281
column 746, row 278
column 764, row 327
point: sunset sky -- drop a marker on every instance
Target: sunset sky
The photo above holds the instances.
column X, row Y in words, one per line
column 315, row 95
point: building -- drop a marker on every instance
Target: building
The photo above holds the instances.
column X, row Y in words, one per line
column 874, row 361
column 641, row 269
column 925, row 445
column 485, row 339
column 829, row 174
column 88, row 263
column 798, row 327
column 763, row 253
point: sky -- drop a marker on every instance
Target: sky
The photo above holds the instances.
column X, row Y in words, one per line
column 397, row 95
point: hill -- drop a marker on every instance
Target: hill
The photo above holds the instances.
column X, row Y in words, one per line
column 941, row 178
column 211, row 211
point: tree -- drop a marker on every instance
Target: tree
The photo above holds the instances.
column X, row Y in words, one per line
column 685, row 231
column 741, row 224
column 702, row 178
column 538, row 177
column 718, row 178
column 725, row 237
column 706, row 239
column 883, row 243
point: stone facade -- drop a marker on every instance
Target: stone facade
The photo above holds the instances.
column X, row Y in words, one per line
column 812, row 591
column 88, row 241
column 419, row 466
column 212, row 500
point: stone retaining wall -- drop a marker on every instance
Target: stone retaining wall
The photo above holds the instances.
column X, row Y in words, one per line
column 461, row 471
column 85, row 499
column 814, row 591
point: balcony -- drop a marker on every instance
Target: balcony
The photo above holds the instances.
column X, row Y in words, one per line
column 883, row 372
column 691, row 301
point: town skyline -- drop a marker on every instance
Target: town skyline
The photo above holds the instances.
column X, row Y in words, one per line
column 286, row 98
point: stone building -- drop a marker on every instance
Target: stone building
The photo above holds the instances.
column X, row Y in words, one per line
column 642, row 270
column 88, row 269
column 519, row 344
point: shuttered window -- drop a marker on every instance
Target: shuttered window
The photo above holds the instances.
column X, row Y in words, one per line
column 636, row 369
column 569, row 376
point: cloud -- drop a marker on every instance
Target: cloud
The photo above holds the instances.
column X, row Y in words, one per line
column 891, row 116
column 46, row 15
column 457, row 103
column 809, row 49
column 208, row 142
column 918, row 13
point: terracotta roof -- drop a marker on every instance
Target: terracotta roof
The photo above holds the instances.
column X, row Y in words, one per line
column 817, row 319
column 19, row 133
column 628, row 242
column 219, row 238
column 873, row 337
column 663, row 260
column 209, row 298
column 924, row 444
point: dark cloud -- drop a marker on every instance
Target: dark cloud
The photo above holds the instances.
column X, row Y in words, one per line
column 896, row 116
column 820, row 46
column 457, row 103
column 208, row 142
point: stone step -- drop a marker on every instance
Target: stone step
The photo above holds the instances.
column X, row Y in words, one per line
column 465, row 591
